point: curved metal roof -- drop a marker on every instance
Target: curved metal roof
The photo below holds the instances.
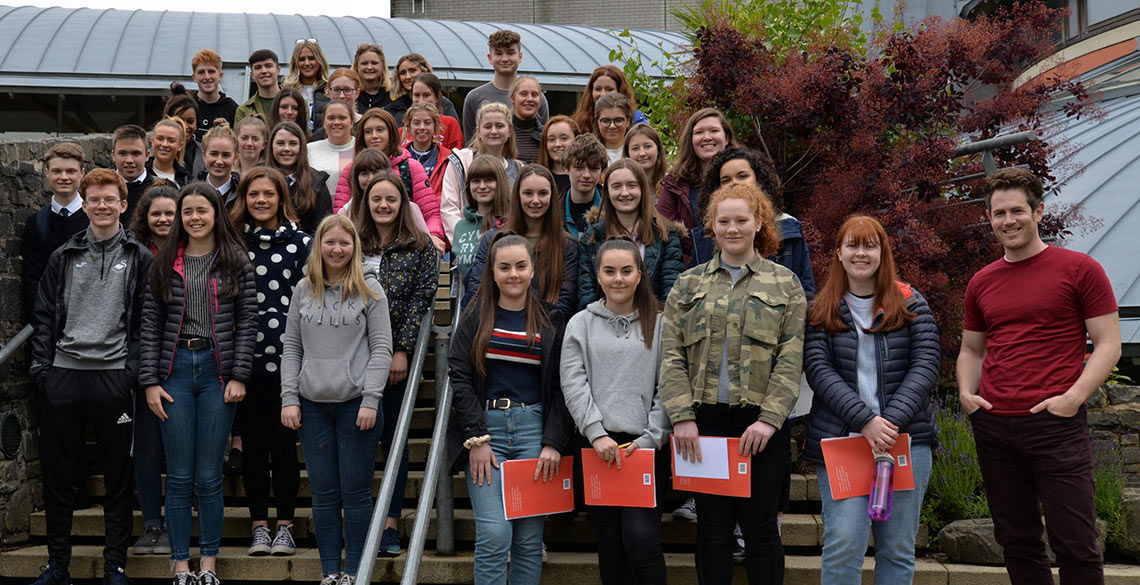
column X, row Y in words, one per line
column 78, row 49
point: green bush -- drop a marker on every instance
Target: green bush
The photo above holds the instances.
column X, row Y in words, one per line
column 1108, row 469
column 955, row 491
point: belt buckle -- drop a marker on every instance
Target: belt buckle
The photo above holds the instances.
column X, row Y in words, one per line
column 501, row 403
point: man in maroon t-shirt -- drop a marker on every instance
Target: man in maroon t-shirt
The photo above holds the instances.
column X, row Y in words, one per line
column 1023, row 380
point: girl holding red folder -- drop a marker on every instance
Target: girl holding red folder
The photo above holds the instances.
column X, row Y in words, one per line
column 508, row 405
column 609, row 379
column 731, row 350
column 872, row 357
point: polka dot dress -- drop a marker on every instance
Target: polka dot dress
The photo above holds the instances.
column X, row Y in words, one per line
column 278, row 257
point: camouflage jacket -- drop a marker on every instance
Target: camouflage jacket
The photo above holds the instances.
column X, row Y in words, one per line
column 763, row 319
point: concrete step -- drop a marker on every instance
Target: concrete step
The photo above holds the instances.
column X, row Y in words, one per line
column 799, row 530
column 804, row 488
column 234, row 566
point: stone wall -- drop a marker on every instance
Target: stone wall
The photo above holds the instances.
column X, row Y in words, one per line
column 22, row 192
column 1114, row 417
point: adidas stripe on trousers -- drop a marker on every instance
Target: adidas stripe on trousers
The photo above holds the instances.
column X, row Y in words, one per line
column 68, row 401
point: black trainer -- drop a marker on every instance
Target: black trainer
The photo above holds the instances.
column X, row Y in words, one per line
column 53, row 574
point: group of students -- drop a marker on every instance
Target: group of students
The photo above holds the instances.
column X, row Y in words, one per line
column 285, row 287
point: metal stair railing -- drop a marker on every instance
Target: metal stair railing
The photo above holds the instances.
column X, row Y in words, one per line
column 437, row 482
column 396, row 450
column 15, row 344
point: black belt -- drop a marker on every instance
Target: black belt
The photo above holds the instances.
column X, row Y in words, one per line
column 194, row 343
column 503, row 404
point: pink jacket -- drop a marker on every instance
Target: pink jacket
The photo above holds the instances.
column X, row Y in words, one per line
column 422, row 194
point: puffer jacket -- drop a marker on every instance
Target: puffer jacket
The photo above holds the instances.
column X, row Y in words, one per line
column 281, row 255
column 908, row 361
column 468, row 418
column 234, row 326
column 409, row 277
column 410, row 171
column 663, row 260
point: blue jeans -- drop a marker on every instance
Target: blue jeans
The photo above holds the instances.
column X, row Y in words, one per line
column 516, row 433
column 846, row 526
column 341, row 459
column 195, row 435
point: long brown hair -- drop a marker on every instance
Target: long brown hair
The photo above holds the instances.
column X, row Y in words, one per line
column 305, row 198
column 687, row 167
column 232, row 255
column 549, row 245
column 239, row 215
column 647, row 216
column 544, row 157
column 406, row 233
column 486, row 166
column 487, row 300
column 302, row 109
column 658, row 175
column 644, row 301
column 584, row 115
column 889, row 299
column 393, row 148
column 369, row 160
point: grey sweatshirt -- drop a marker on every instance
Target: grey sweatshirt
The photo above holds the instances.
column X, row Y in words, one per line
column 335, row 350
column 95, row 334
column 609, row 377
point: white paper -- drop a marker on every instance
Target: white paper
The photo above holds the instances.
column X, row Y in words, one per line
column 714, row 460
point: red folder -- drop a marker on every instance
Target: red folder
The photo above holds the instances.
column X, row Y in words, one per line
column 738, row 484
column 631, row 486
column 524, row 497
column 851, row 465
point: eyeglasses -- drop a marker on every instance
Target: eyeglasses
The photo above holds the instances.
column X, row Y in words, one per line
column 299, row 41
column 615, row 122
column 109, row 202
column 342, row 90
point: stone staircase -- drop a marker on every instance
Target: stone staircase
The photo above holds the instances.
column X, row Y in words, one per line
column 570, row 539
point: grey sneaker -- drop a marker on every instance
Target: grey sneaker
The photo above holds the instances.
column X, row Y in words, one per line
column 687, row 511
column 330, row 579
column 262, row 543
column 145, row 544
column 346, row 579
column 283, row 544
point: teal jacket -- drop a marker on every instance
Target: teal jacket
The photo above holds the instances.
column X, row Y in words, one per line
column 664, row 261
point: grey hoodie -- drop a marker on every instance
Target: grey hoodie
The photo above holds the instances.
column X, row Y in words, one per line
column 335, row 350
column 609, row 377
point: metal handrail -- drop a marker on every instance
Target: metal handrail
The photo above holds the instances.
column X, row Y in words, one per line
column 433, row 475
column 395, row 451
column 15, row 344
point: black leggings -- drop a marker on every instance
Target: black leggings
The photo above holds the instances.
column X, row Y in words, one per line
column 717, row 515
column 266, row 440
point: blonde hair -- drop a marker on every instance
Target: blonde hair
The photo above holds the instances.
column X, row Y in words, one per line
column 293, row 79
column 509, row 150
column 361, row 49
column 220, row 129
column 354, row 285
column 180, row 124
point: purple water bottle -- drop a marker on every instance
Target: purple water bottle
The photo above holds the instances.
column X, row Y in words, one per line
column 882, row 488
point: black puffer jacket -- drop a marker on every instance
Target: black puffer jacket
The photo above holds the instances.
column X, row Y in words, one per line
column 908, row 361
column 469, row 406
column 234, row 324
